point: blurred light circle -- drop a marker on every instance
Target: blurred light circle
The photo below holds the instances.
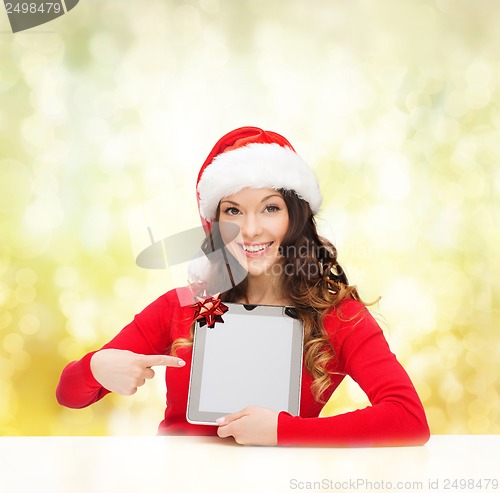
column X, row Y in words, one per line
column 5, row 317
column 21, row 360
column 66, row 276
column 13, row 343
column 478, row 423
column 15, row 185
column 477, row 97
column 479, row 73
column 44, row 214
column 26, row 276
column 455, row 104
column 5, row 258
column 25, row 294
column 29, row 324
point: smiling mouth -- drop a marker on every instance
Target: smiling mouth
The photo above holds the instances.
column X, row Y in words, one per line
column 255, row 248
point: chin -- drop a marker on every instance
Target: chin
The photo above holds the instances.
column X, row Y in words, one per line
column 269, row 269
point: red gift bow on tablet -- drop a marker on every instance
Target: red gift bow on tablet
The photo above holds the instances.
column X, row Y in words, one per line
column 209, row 309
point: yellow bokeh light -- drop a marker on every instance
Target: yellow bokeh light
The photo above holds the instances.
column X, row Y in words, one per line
column 400, row 118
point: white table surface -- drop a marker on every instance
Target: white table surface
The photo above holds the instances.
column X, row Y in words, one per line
column 192, row 464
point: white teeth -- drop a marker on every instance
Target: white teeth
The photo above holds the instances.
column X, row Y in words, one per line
column 255, row 248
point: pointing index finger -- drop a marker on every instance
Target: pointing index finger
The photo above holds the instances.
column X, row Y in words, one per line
column 163, row 360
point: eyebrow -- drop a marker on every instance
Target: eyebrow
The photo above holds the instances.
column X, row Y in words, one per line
column 263, row 200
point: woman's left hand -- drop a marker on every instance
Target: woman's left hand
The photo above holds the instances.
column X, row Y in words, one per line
column 250, row 426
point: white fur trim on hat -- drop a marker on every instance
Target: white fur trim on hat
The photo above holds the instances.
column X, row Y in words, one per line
column 256, row 166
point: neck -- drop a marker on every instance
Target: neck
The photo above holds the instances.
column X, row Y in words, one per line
column 265, row 290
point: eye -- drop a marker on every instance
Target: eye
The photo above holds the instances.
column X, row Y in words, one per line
column 231, row 211
column 272, row 208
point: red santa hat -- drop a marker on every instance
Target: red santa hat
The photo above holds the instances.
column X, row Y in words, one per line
column 255, row 158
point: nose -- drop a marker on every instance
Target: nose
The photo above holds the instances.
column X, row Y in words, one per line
column 251, row 227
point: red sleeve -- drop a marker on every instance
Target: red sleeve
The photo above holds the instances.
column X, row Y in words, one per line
column 148, row 333
column 396, row 415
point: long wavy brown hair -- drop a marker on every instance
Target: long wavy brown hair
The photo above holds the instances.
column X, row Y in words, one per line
column 311, row 278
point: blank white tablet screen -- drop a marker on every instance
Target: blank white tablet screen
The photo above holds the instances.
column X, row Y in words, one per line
column 241, row 359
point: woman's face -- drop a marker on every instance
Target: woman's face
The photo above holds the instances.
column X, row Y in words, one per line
column 262, row 216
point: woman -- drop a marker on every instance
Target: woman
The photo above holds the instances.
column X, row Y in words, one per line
column 254, row 179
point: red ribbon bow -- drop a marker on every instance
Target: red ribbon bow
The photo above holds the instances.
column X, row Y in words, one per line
column 209, row 310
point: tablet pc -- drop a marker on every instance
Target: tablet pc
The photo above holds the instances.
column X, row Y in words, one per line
column 254, row 358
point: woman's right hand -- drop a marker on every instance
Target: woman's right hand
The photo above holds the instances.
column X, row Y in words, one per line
column 122, row 371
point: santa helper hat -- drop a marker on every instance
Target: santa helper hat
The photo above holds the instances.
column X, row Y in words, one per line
column 255, row 158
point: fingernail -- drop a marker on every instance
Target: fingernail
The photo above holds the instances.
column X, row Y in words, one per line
column 181, row 362
column 220, row 420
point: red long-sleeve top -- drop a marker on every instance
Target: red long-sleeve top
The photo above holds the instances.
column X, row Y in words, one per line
column 395, row 417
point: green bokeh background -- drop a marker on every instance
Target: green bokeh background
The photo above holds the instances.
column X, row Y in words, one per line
column 396, row 105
